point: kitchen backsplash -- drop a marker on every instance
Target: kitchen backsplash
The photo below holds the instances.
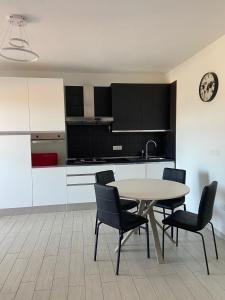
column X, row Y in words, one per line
column 98, row 141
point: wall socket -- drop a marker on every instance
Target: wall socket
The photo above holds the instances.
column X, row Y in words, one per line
column 118, row 148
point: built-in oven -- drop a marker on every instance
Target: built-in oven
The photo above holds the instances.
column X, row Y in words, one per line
column 48, row 148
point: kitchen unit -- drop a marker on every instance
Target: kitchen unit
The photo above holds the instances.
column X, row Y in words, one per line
column 141, row 107
column 46, row 104
column 15, row 171
column 49, row 186
column 31, row 104
column 39, row 109
column 14, row 112
column 139, row 112
column 26, row 105
column 80, row 182
column 75, row 184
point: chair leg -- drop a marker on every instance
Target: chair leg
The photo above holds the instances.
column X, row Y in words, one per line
column 147, row 235
column 118, row 255
column 96, row 222
column 205, row 254
column 96, row 240
column 137, row 207
column 172, row 226
column 214, row 239
column 184, row 207
column 163, row 240
column 177, row 238
column 164, row 213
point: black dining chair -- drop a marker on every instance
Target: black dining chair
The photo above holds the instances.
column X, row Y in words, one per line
column 105, row 177
column 110, row 212
column 177, row 175
column 195, row 222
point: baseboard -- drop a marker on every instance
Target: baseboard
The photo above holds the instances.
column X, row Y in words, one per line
column 47, row 209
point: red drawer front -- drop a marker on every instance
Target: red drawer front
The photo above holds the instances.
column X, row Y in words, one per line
column 44, row 159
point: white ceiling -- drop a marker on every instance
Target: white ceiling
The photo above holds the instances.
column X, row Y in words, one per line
column 115, row 35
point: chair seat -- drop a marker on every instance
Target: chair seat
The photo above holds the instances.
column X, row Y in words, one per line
column 128, row 204
column 183, row 219
column 130, row 221
column 170, row 203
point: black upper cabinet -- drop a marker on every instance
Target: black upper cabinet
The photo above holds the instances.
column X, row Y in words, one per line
column 126, row 107
column 74, row 101
column 155, row 107
column 141, row 106
column 103, row 101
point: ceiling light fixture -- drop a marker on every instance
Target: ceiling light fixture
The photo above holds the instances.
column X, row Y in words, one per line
column 15, row 45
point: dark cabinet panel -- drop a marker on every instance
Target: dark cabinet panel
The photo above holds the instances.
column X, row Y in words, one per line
column 141, row 106
column 155, row 107
column 103, row 101
column 126, row 107
column 74, row 101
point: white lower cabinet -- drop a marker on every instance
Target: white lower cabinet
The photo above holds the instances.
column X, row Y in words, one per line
column 80, row 179
column 49, row 186
column 154, row 170
column 56, row 185
column 15, row 171
column 81, row 193
column 80, row 182
column 127, row 171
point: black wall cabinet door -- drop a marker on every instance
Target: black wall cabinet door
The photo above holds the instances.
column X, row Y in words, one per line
column 74, row 101
column 155, row 107
column 103, row 101
column 126, row 107
column 140, row 106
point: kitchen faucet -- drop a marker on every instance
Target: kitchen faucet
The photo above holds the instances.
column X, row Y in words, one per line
column 146, row 147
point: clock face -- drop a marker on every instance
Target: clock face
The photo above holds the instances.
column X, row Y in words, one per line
column 208, row 87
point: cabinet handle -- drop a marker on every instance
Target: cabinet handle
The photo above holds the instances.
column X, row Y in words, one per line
column 88, row 174
column 142, row 130
column 79, row 184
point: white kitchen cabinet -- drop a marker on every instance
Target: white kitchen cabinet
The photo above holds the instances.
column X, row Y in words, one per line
column 81, row 194
column 127, row 171
column 14, row 108
column 46, row 102
column 80, row 182
column 15, row 171
column 49, row 186
column 154, row 170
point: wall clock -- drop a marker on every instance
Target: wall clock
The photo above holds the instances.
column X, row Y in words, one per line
column 208, row 86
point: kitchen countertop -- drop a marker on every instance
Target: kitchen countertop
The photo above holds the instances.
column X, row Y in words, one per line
column 118, row 160
column 114, row 160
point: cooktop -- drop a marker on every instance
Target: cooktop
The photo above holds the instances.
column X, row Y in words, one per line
column 75, row 161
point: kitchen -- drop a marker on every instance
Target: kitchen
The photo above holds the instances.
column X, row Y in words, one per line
column 91, row 116
column 85, row 131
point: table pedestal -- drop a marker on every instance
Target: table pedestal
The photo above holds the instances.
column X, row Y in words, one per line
column 144, row 211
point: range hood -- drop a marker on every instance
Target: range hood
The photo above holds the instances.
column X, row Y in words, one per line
column 89, row 117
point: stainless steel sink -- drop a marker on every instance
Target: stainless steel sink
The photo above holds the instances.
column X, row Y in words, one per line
column 150, row 158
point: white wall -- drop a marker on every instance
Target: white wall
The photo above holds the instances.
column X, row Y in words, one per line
column 101, row 79
column 201, row 127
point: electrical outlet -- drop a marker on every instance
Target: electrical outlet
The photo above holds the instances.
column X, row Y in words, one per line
column 117, row 147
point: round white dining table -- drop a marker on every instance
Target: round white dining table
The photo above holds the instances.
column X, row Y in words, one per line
column 148, row 192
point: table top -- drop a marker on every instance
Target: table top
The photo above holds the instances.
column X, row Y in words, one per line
column 150, row 189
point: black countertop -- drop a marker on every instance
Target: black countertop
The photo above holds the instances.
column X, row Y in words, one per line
column 115, row 160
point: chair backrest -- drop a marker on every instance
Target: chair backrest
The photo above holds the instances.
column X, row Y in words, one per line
column 104, row 177
column 177, row 175
column 108, row 205
column 205, row 210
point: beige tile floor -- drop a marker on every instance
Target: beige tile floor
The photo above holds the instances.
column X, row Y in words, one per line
column 50, row 256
